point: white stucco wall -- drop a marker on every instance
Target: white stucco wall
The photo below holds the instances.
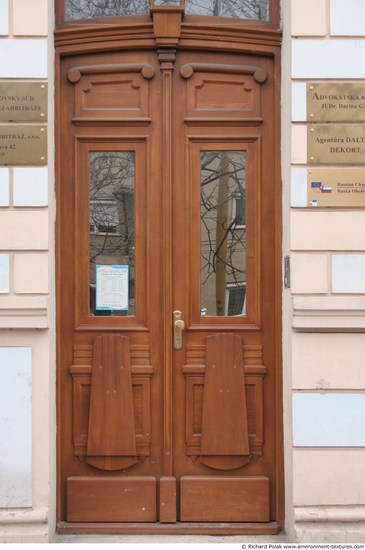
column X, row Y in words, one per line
column 327, row 258
column 27, row 341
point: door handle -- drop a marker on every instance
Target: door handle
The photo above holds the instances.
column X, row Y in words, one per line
column 178, row 327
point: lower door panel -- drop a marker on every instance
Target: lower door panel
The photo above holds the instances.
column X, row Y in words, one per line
column 224, row 499
column 112, row 499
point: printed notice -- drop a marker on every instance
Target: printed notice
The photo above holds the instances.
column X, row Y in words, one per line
column 112, row 284
column 341, row 188
column 336, row 144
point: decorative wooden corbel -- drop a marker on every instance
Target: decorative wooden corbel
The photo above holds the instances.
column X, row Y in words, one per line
column 167, row 23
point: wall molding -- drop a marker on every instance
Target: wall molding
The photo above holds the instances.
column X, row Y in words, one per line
column 329, row 514
column 24, row 312
column 24, row 516
column 329, row 313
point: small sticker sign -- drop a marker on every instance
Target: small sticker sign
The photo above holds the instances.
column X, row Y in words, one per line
column 336, row 187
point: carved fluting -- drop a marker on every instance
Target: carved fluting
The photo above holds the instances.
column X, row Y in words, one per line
column 75, row 73
column 259, row 74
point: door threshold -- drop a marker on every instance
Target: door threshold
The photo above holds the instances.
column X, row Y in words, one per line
column 271, row 528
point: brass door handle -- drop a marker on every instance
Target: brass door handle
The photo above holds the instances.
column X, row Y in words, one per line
column 178, row 327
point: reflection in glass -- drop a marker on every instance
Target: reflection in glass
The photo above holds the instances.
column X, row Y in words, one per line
column 111, row 216
column 166, row 2
column 223, row 233
column 238, row 9
column 91, row 9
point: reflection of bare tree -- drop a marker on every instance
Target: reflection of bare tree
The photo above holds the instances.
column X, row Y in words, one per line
column 223, row 224
column 242, row 9
column 89, row 9
column 111, row 202
column 111, row 176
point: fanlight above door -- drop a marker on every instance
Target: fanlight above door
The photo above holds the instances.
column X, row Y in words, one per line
column 238, row 9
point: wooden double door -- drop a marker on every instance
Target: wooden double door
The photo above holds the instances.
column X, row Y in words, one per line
column 168, row 293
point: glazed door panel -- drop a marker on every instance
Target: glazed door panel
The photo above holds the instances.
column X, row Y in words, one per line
column 167, row 295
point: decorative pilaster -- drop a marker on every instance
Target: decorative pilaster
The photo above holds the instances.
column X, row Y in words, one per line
column 167, row 29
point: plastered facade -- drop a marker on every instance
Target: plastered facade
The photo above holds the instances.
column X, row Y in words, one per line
column 323, row 311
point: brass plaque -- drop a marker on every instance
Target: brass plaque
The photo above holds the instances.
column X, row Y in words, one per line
column 336, row 144
column 23, row 101
column 331, row 102
column 20, row 144
column 336, row 187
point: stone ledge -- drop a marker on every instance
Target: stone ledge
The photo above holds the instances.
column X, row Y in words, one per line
column 23, row 515
column 329, row 313
column 23, row 311
column 330, row 514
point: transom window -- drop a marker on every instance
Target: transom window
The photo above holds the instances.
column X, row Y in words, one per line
column 238, row 9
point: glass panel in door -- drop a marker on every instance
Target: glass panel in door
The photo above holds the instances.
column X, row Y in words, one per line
column 112, row 242
column 223, row 233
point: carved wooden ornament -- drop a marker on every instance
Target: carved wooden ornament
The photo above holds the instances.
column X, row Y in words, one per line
column 224, row 440
column 111, row 441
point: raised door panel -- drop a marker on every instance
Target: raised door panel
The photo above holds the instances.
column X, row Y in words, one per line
column 113, row 499
column 223, row 92
column 112, row 92
column 233, row 499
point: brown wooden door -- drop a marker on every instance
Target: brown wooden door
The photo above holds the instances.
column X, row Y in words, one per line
column 168, row 202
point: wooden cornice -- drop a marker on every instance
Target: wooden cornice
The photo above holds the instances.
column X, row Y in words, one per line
column 107, row 36
column 239, row 34
column 113, row 35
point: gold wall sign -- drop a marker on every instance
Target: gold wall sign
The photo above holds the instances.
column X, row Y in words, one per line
column 23, row 144
column 23, row 101
column 332, row 187
column 333, row 102
column 336, row 144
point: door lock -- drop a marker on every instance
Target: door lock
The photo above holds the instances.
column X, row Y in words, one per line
column 178, row 327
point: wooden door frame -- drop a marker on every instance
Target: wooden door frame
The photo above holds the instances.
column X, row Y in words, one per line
column 249, row 39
